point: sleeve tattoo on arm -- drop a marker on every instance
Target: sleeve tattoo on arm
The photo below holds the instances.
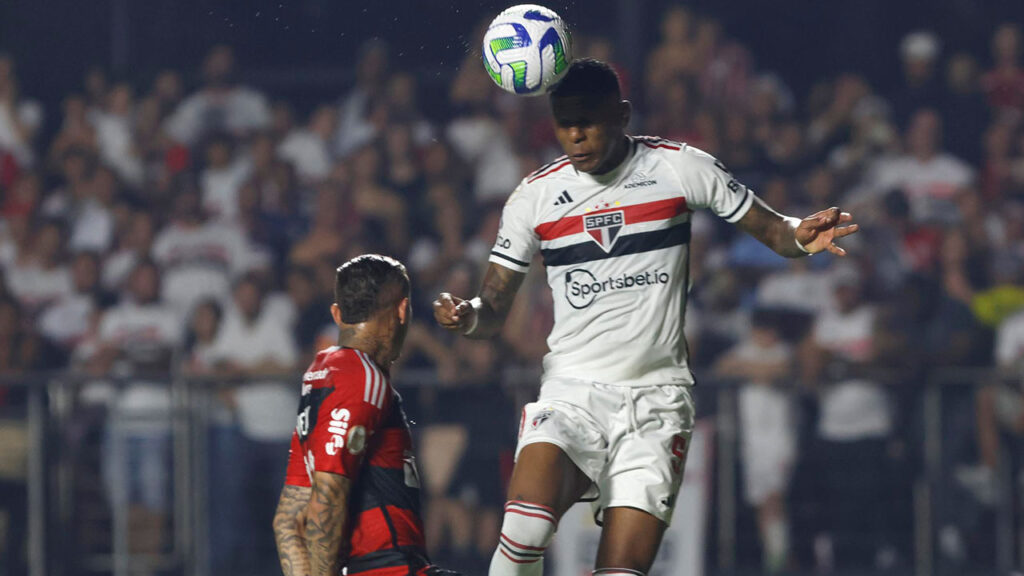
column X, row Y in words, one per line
column 325, row 522
column 497, row 293
column 291, row 547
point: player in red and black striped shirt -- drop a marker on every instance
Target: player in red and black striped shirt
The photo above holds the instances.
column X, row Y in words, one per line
column 351, row 497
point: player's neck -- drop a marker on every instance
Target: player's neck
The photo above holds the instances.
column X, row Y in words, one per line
column 366, row 338
column 616, row 158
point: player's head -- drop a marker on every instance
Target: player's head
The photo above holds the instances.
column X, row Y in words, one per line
column 371, row 294
column 590, row 115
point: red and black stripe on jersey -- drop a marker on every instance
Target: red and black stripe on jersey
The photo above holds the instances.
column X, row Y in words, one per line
column 344, row 390
column 587, row 251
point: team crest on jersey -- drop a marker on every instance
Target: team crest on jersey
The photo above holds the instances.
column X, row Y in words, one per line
column 604, row 228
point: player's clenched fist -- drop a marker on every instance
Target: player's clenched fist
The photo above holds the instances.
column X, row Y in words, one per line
column 453, row 313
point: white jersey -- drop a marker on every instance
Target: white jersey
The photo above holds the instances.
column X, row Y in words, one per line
column 616, row 249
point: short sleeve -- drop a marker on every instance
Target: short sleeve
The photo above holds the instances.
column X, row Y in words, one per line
column 517, row 240
column 345, row 422
column 1009, row 342
column 296, row 474
column 707, row 183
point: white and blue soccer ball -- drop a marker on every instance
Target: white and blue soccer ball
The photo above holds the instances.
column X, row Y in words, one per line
column 527, row 49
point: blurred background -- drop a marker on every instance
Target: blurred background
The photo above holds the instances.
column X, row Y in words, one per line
column 179, row 180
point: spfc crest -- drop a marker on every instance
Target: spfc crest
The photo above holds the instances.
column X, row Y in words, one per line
column 604, row 228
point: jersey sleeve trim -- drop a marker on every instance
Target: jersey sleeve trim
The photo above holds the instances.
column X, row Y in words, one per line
column 509, row 262
column 741, row 210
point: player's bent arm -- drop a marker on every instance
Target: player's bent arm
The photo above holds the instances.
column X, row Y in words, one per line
column 791, row 237
column 325, row 522
column 485, row 317
column 288, row 530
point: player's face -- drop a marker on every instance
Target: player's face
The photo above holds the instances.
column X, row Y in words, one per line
column 591, row 131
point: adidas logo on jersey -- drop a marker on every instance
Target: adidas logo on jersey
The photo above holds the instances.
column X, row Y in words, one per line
column 563, row 198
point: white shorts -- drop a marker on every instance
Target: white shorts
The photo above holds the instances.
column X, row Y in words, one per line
column 630, row 441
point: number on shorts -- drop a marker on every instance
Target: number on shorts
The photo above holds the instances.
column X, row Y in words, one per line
column 678, row 453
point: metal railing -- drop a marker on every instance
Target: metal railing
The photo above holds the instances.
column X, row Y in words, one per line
column 54, row 399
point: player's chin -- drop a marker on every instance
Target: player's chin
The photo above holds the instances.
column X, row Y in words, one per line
column 588, row 163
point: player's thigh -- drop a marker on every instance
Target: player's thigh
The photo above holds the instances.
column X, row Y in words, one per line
column 630, row 539
column 544, row 474
column 562, row 448
column 647, row 455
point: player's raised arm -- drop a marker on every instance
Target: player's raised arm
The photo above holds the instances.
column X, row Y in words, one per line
column 289, row 524
column 325, row 522
column 483, row 316
column 792, row 237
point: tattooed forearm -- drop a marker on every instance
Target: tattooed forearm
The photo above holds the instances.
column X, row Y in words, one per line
column 497, row 294
column 288, row 520
column 771, row 228
column 325, row 522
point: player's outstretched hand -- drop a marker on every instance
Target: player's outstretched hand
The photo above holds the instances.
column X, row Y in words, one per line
column 819, row 232
column 453, row 313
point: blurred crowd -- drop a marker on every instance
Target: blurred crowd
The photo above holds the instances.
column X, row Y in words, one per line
column 190, row 225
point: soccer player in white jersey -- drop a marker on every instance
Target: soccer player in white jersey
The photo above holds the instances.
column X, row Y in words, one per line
column 612, row 222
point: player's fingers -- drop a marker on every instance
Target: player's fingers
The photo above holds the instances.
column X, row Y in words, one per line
column 845, row 217
column 836, row 249
column 446, row 301
column 846, row 230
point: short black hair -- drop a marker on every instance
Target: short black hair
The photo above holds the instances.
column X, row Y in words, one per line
column 367, row 283
column 588, row 78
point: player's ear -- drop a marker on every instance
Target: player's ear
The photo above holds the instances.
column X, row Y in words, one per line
column 404, row 311
column 625, row 112
column 336, row 314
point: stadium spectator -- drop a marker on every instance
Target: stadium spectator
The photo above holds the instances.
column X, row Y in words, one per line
column 920, row 87
column 200, row 258
column 356, row 123
column 220, row 105
column 223, row 175
column 854, row 423
column 1004, row 83
column 254, row 346
column 308, row 149
column 963, row 108
column 137, row 339
column 71, row 319
column 20, row 122
column 928, row 176
column 40, row 277
column 763, row 363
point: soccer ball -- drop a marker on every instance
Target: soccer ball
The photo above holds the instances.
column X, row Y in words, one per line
column 527, row 49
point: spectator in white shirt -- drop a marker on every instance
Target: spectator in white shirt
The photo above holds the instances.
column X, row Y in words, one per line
column 929, row 177
column 761, row 362
column 136, row 338
column 308, row 148
column 114, row 133
column 220, row 105
column 854, row 423
column 255, row 345
column 224, row 174
column 199, row 258
column 41, row 277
